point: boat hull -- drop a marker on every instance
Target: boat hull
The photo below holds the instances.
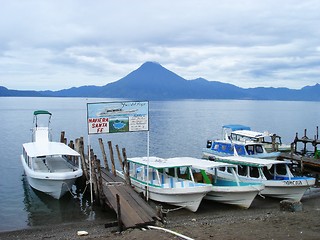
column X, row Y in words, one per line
column 183, row 197
column 292, row 189
column 241, row 196
column 288, row 189
column 54, row 188
column 55, row 184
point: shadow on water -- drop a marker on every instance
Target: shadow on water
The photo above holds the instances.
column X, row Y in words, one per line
column 44, row 210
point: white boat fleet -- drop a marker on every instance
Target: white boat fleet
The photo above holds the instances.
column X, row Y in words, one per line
column 50, row 167
column 185, row 181
column 231, row 171
column 235, row 169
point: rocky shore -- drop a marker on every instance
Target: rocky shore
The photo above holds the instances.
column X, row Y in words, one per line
column 263, row 220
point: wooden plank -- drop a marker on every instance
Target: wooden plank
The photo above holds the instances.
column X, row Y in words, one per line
column 109, row 177
column 138, row 208
column 112, row 201
column 129, row 216
column 141, row 202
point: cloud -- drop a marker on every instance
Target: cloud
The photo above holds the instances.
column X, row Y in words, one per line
column 61, row 44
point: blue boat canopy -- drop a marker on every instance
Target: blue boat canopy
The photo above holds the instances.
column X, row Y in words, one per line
column 235, row 127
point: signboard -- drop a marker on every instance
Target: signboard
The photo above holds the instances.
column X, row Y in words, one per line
column 113, row 117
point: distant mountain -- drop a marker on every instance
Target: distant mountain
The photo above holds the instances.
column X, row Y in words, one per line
column 151, row 81
column 5, row 92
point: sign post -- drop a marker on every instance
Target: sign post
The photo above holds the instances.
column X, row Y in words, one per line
column 117, row 117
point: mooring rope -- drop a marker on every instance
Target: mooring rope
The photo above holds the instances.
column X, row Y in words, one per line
column 170, row 231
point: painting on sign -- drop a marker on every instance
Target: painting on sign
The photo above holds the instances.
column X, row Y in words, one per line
column 113, row 117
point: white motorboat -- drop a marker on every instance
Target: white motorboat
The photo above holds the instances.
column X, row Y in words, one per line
column 159, row 180
column 271, row 142
column 226, row 147
column 227, row 191
column 275, row 175
column 50, row 167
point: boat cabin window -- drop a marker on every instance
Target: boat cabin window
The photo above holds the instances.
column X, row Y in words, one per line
column 222, row 169
column 240, row 150
column 215, row 147
column 229, row 169
column 267, row 173
column 279, row 169
column 254, row 172
column 250, row 149
column 242, row 170
column 259, row 149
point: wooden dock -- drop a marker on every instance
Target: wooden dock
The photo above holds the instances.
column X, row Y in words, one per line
column 308, row 161
column 111, row 190
column 135, row 211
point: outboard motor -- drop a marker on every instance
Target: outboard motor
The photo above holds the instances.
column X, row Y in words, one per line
column 209, row 143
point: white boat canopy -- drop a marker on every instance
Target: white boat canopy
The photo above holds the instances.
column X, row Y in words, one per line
column 255, row 162
column 251, row 134
column 202, row 163
column 156, row 162
column 36, row 149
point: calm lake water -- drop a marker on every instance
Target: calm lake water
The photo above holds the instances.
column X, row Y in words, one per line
column 177, row 128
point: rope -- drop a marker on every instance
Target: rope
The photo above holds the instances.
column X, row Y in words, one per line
column 170, row 231
column 171, row 210
column 74, row 195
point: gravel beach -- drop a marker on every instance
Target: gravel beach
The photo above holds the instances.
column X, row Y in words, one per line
column 263, row 220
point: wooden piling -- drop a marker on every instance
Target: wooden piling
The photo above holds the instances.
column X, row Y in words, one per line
column 93, row 175
column 119, row 157
column 62, row 136
column 119, row 213
column 112, row 158
column 104, row 154
column 126, row 167
column 83, row 159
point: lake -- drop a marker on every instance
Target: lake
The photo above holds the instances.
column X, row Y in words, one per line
column 177, row 128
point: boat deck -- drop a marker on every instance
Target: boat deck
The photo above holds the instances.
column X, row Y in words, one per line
column 52, row 164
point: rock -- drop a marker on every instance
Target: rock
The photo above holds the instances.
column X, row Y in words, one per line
column 290, row 206
column 82, row 233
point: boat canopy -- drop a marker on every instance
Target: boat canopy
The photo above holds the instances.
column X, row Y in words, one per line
column 249, row 161
column 235, row 127
column 38, row 112
column 201, row 163
column 250, row 134
column 159, row 163
column 37, row 149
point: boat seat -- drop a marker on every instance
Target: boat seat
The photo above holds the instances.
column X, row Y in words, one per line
column 58, row 165
column 40, row 166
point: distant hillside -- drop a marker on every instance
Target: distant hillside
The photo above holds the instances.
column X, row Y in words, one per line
column 4, row 92
column 151, row 81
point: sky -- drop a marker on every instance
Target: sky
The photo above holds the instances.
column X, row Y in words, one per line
column 59, row 44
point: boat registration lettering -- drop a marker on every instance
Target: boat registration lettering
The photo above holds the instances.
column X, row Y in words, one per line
column 293, row 182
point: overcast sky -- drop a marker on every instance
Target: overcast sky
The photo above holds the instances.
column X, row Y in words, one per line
column 58, row 44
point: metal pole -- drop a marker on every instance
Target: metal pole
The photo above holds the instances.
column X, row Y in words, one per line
column 90, row 170
column 148, row 143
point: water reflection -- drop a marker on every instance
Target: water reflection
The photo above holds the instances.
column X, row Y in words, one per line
column 45, row 210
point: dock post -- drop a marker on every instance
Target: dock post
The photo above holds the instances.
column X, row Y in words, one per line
column 112, row 158
column 119, row 157
column 94, row 177
column 126, row 167
column 119, row 213
column 83, row 158
column 104, row 155
column 62, row 136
